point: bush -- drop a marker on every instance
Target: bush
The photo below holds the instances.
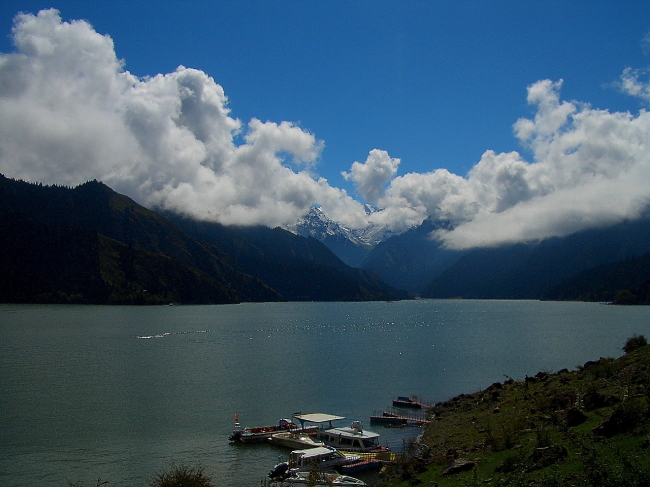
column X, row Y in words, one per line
column 626, row 417
column 183, row 476
column 634, row 342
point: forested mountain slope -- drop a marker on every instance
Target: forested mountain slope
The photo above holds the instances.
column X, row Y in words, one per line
column 90, row 244
column 530, row 271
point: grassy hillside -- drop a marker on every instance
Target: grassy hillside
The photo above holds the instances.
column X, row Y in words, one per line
column 587, row 427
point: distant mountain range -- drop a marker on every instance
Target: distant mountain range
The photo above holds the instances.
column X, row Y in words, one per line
column 589, row 265
column 537, row 270
column 90, row 244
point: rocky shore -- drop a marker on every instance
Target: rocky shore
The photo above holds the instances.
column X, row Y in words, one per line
column 585, row 427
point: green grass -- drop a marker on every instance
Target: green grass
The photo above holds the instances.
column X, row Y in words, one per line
column 518, row 433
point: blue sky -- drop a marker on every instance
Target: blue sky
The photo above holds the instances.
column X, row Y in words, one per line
column 433, row 84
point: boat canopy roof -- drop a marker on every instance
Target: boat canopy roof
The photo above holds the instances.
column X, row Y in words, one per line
column 317, row 417
column 352, row 432
column 314, row 452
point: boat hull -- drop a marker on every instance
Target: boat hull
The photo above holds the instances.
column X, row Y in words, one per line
column 304, row 461
column 253, row 437
column 361, row 465
column 295, row 441
column 410, row 403
column 333, row 479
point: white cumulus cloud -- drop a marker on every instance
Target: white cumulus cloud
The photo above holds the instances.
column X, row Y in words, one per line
column 70, row 112
column 371, row 176
column 591, row 168
column 631, row 82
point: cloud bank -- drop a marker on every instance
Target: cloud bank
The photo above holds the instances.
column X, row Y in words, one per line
column 591, row 168
column 70, row 112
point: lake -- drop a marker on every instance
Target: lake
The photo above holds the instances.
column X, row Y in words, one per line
column 119, row 392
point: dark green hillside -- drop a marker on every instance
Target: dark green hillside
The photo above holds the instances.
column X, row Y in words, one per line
column 301, row 269
column 91, row 245
column 637, row 295
column 530, row 271
column 412, row 259
column 96, row 207
column 135, row 276
column 47, row 264
column 39, row 263
column 587, row 427
column 606, row 282
column 52, row 236
column 485, row 274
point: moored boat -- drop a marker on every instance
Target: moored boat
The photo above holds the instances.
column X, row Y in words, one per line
column 259, row 434
column 353, row 438
column 322, row 478
column 409, row 402
column 295, row 440
column 388, row 418
column 324, row 458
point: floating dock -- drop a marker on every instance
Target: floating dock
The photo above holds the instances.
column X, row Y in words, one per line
column 394, row 417
column 384, row 456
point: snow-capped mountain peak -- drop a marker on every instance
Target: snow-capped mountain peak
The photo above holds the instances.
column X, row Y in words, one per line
column 318, row 225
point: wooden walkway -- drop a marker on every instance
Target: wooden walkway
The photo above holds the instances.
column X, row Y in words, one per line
column 395, row 417
column 384, row 456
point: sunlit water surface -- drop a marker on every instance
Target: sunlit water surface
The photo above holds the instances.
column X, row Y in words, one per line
column 119, row 393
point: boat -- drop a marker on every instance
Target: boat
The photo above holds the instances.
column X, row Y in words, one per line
column 324, row 458
column 295, row 440
column 259, row 434
column 352, row 439
column 409, row 402
column 322, row 478
column 388, row 418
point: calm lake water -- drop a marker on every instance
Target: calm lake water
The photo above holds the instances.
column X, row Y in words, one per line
column 119, row 393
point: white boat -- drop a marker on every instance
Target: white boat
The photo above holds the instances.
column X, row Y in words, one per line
column 295, row 440
column 353, row 438
column 323, row 478
column 324, row 458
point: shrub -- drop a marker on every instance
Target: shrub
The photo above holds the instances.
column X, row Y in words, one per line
column 625, row 297
column 100, row 483
column 626, row 417
column 183, row 476
column 634, row 342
